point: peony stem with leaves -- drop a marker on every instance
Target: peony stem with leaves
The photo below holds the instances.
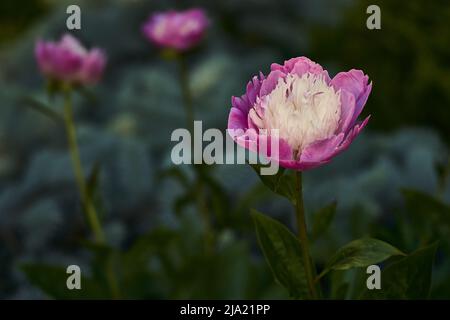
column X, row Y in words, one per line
column 303, row 235
column 185, row 91
column 91, row 212
column 89, row 207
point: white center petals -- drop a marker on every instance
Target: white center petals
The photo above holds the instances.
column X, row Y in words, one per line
column 304, row 110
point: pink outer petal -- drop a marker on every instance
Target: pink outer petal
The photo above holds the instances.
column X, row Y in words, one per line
column 248, row 99
column 354, row 132
column 93, row 66
column 355, row 82
column 271, row 82
column 72, row 44
column 179, row 30
column 67, row 60
column 347, row 111
column 321, row 150
column 43, row 53
column 300, row 66
column 262, row 144
column 361, row 101
column 66, row 64
column 237, row 119
column 300, row 166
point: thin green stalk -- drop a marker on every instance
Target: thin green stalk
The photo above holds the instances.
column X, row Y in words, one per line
column 186, row 92
column 89, row 208
column 303, row 236
column 199, row 189
column 112, row 280
column 91, row 213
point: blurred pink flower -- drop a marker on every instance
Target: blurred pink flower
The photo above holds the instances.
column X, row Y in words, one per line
column 179, row 30
column 316, row 117
column 68, row 61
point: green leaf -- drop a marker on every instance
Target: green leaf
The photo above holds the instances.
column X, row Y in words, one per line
column 282, row 183
column 427, row 208
column 360, row 253
column 52, row 281
column 322, row 219
column 154, row 242
column 93, row 191
column 140, row 279
column 104, row 266
column 175, row 173
column 339, row 285
column 408, row 278
column 54, row 87
column 283, row 254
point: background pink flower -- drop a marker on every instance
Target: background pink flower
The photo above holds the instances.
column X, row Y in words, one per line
column 68, row 61
column 316, row 116
column 180, row 30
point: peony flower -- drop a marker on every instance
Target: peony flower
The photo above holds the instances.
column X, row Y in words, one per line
column 179, row 30
column 68, row 61
column 316, row 117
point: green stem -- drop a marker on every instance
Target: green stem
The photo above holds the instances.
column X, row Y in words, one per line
column 189, row 110
column 203, row 209
column 186, row 92
column 303, row 236
column 91, row 213
column 112, row 280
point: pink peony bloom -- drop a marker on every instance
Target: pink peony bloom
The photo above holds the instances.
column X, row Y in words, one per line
column 179, row 30
column 316, row 117
column 68, row 61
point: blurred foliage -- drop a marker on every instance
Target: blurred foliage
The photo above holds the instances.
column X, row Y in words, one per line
column 385, row 186
column 15, row 18
column 407, row 60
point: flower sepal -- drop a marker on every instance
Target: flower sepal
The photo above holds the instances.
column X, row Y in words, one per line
column 281, row 183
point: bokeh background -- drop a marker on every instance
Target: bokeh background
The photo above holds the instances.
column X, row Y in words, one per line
column 392, row 183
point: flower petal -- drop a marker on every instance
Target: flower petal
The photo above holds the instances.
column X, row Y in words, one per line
column 300, row 166
column 347, row 111
column 93, row 66
column 253, row 89
column 237, row 119
column 354, row 132
column 43, row 52
column 248, row 99
column 355, row 82
column 321, row 150
column 179, row 30
column 271, row 82
column 300, row 66
column 271, row 146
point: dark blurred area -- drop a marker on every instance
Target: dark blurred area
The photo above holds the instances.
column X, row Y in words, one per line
column 392, row 183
